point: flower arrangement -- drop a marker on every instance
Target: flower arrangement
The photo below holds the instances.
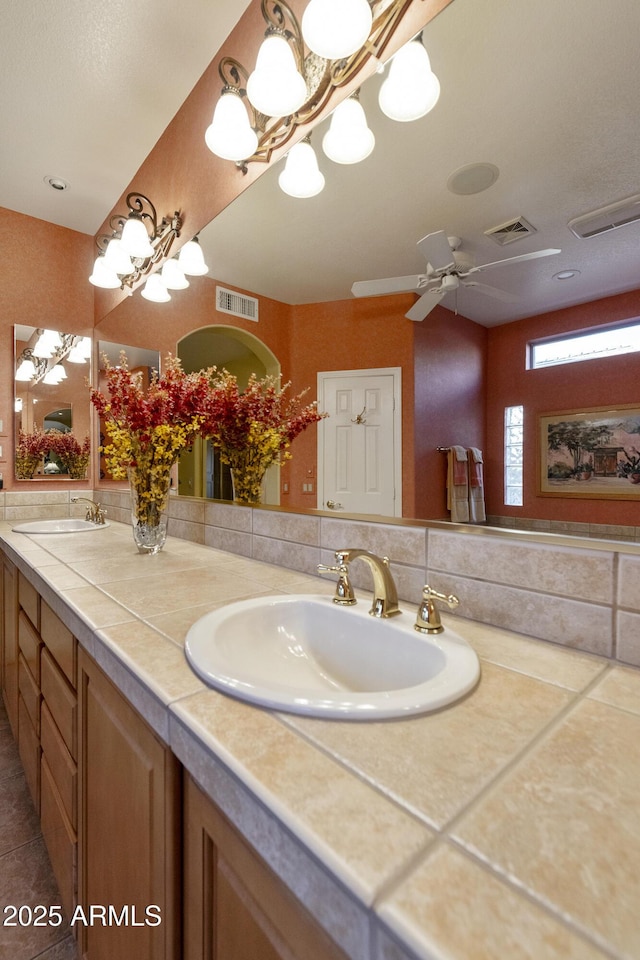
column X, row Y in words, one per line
column 73, row 455
column 29, row 453
column 254, row 428
column 32, row 447
column 148, row 430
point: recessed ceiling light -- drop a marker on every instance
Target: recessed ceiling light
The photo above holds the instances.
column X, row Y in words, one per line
column 56, row 183
column 473, row 178
column 566, row 274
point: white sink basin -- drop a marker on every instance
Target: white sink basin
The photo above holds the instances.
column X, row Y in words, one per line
column 63, row 525
column 307, row 655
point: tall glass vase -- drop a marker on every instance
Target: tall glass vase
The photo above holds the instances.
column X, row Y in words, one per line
column 247, row 483
column 149, row 507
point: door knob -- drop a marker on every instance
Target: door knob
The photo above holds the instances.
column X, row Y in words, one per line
column 334, row 505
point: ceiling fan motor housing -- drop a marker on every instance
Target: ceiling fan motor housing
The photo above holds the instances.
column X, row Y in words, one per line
column 449, row 282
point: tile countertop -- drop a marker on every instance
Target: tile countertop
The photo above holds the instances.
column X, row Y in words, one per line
column 507, row 825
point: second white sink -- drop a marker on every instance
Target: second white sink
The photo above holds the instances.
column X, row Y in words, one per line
column 307, row 655
column 63, row 525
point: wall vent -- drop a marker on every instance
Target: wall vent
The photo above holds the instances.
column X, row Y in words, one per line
column 237, row 304
column 512, row 230
column 607, row 218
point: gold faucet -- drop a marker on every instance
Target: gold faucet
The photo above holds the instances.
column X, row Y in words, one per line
column 385, row 595
column 428, row 617
column 94, row 513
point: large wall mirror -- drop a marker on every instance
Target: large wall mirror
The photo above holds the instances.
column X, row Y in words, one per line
column 366, row 222
column 51, row 403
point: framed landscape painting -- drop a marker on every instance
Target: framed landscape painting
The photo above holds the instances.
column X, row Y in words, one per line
column 590, row 453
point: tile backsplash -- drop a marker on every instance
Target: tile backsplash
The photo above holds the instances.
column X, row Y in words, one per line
column 585, row 596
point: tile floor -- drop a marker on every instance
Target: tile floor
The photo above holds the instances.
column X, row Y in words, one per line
column 25, row 872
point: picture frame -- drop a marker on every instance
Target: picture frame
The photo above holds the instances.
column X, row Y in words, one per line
column 592, row 453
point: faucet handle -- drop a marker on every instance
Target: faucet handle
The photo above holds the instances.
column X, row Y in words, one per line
column 344, row 594
column 428, row 616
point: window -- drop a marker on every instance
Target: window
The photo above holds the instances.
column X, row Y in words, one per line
column 513, row 455
column 585, row 346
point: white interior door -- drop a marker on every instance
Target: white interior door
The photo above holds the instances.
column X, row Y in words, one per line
column 359, row 443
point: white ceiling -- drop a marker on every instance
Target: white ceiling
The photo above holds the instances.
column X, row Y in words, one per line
column 546, row 91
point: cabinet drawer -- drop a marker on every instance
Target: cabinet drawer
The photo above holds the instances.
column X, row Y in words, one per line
column 29, row 643
column 29, row 749
column 60, row 641
column 29, row 600
column 61, row 700
column 61, row 765
column 60, row 838
column 30, row 693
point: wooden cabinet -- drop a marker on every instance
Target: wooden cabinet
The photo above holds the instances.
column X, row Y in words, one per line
column 169, row 876
column 129, row 825
column 9, row 661
column 235, row 907
column 59, row 747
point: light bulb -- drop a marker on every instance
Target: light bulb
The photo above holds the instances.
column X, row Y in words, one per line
column 173, row 276
column 191, row 259
column 46, row 344
column 230, row 134
column 104, row 276
column 155, row 290
column 26, row 370
column 135, row 239
column 117, row 258
column 335, row 29
column 76, row 355
column 412, row 89
column 275, row 87
column 348, row 139
column 301, row 176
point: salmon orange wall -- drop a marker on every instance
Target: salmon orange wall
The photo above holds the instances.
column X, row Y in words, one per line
column 43, row 283
column 449, row 363
column 573, row 386
column 351, row 335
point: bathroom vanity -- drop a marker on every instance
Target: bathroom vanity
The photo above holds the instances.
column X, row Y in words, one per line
column 489, row 828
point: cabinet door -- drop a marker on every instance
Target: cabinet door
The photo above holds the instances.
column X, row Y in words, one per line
column 10, row 642
column 129, row 828
column 236, row 908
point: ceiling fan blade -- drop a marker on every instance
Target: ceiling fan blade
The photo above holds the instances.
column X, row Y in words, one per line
column 425, row 305
column 490, row 291
column 524, row 256
column 376, row 288
column 436, row 250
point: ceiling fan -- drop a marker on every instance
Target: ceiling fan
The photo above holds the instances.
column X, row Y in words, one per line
column 447, row 270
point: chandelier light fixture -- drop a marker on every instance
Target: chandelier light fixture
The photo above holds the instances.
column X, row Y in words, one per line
column 298, row 69
column 43, row 361
column 137, row 247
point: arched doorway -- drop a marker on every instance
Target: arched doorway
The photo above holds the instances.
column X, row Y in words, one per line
column 241, row 353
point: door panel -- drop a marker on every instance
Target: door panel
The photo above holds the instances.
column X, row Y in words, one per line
column 359, row 442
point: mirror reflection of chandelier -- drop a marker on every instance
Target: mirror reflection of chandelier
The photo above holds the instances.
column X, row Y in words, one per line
column 298, row 69
column 43, row 362
column 140, row 245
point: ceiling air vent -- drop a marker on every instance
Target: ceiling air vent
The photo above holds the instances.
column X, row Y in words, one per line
column 237, row 304
column 607, row 218
column 510, row 231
